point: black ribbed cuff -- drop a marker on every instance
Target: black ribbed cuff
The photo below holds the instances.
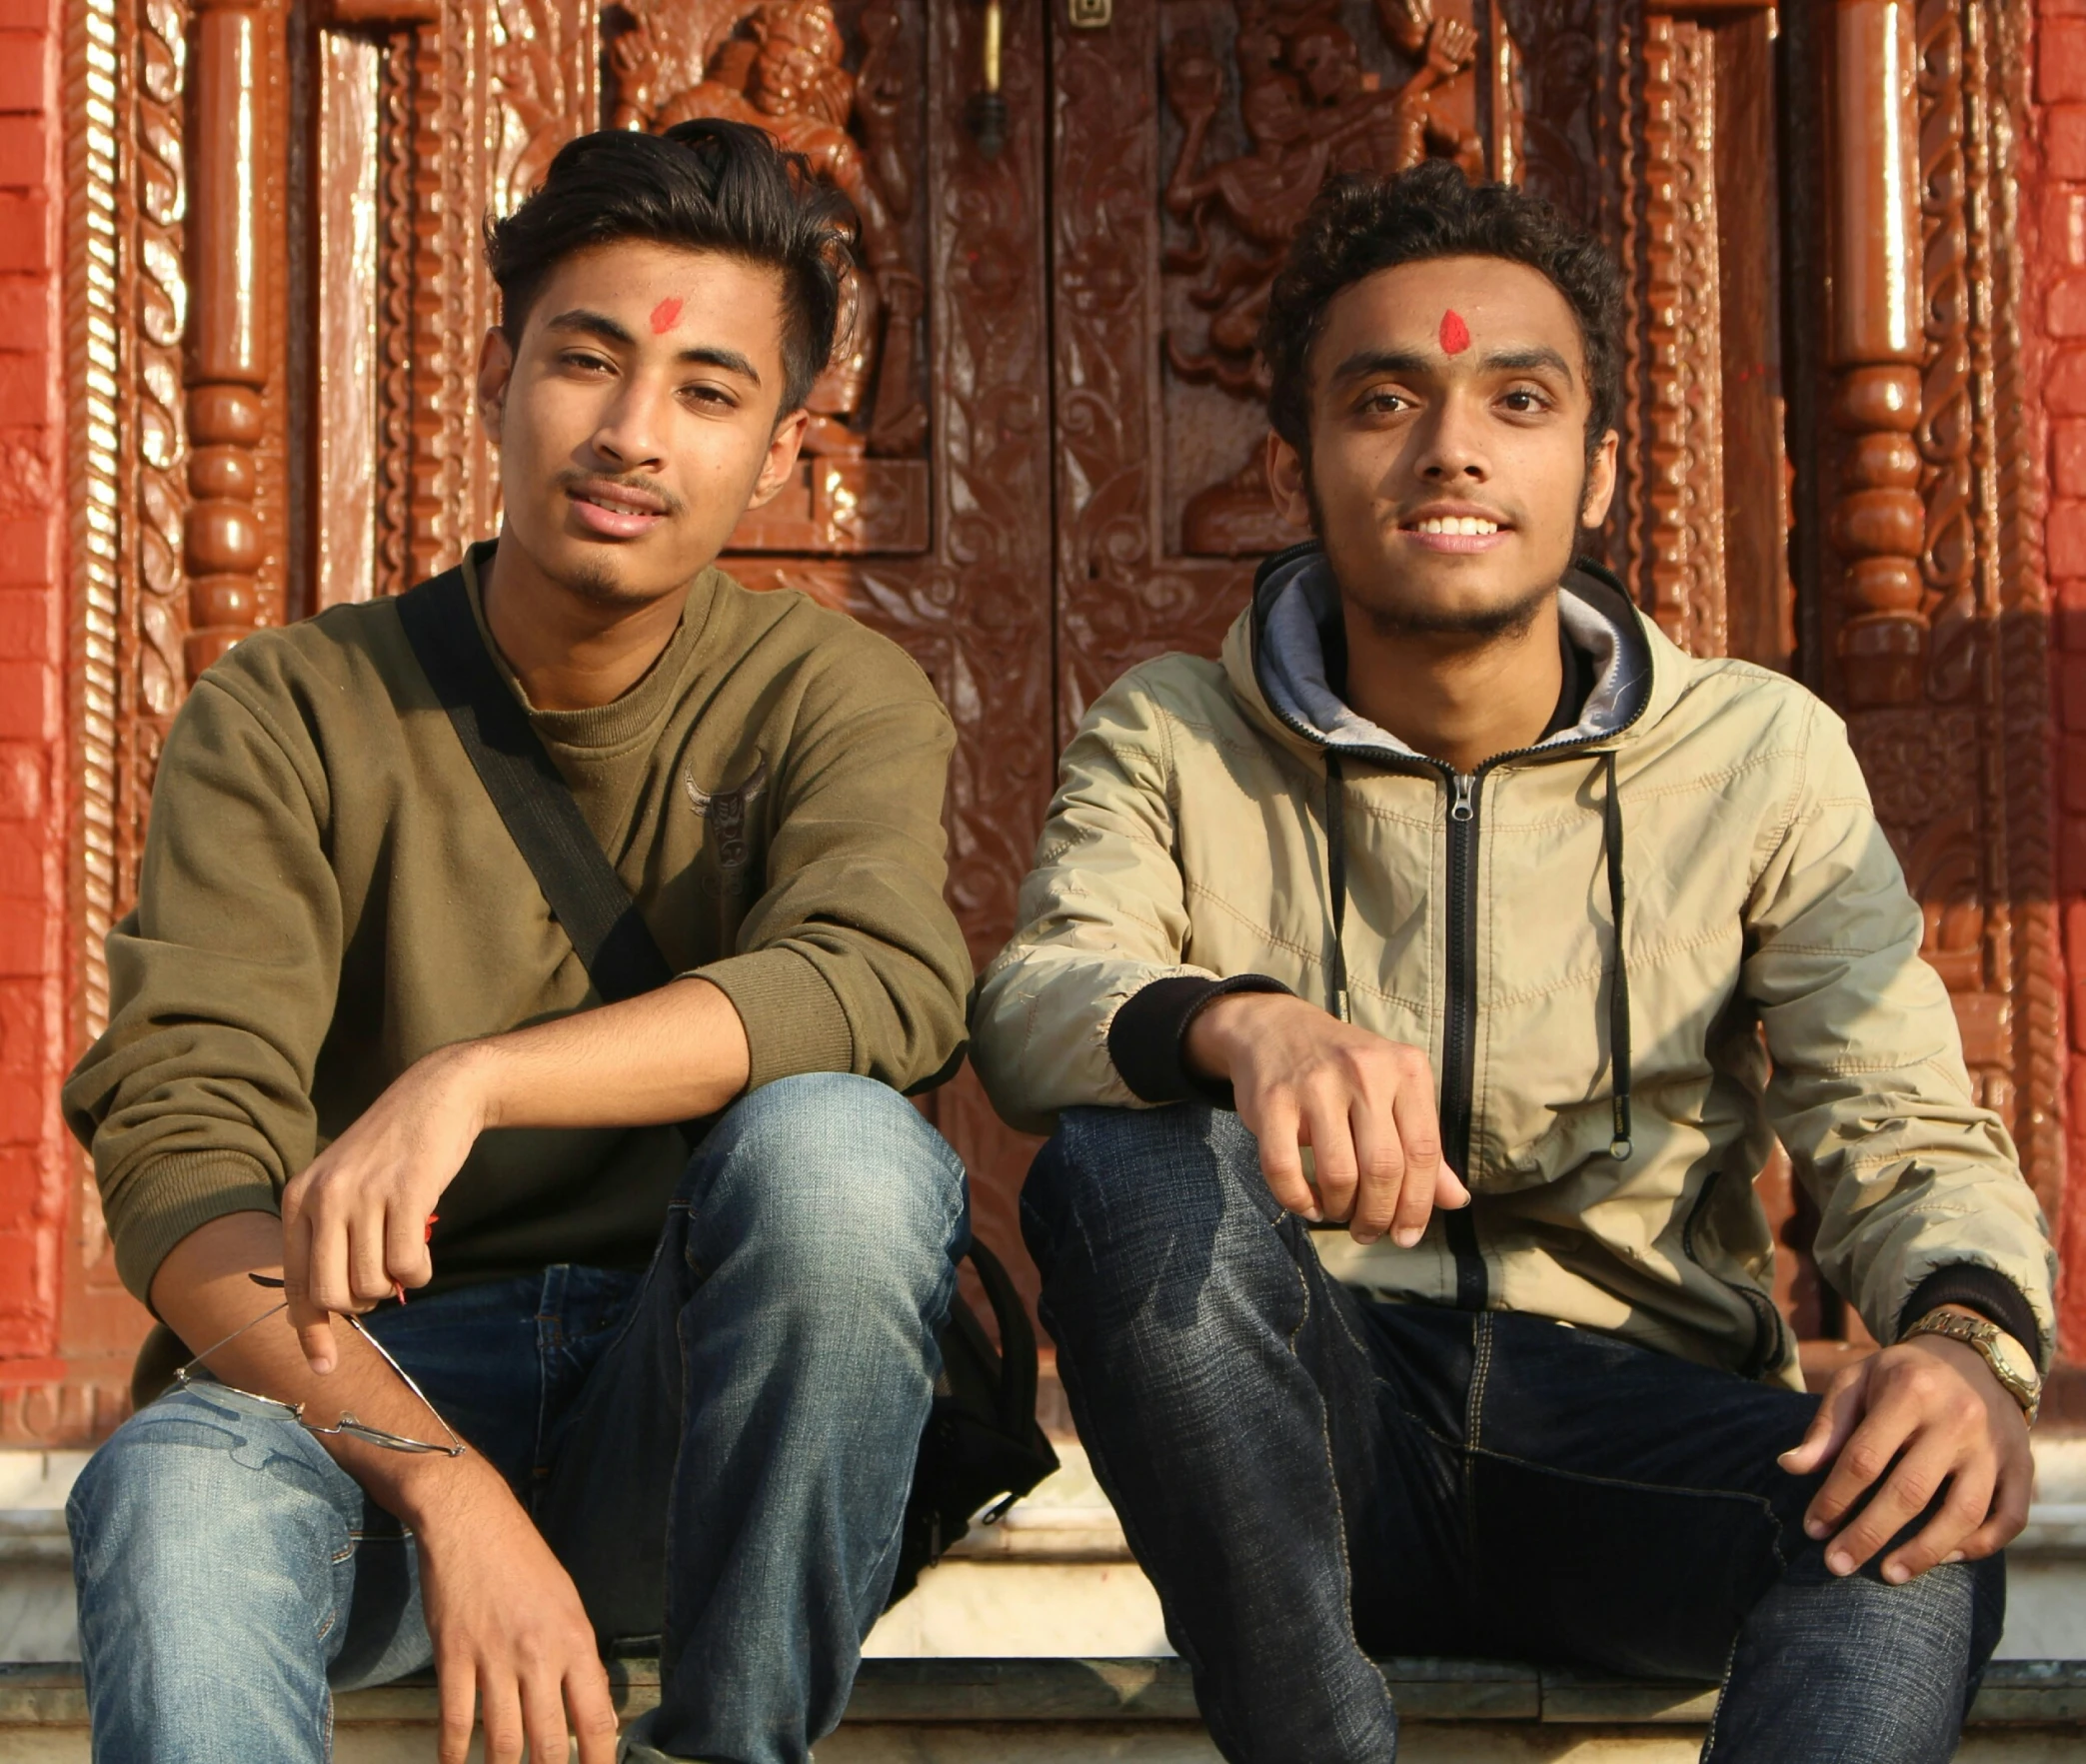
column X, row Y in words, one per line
column 1149, row 1039
column 1976, row 1287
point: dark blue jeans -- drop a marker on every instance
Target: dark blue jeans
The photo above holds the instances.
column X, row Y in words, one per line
column 1311, row 1479
column 719, row 1450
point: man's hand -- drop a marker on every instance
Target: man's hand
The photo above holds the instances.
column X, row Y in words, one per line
column 509, row 1631
column 355, row 1223
column 1904, row 1422
column 1365, row 1106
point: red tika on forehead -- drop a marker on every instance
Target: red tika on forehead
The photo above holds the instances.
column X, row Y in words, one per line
column 1456, row 335
column 664, row 317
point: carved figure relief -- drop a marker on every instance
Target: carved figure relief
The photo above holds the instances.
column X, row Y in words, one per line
column 1309, row 108
column 781, row 65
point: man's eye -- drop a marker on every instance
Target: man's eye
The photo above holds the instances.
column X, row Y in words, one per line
column 1525, row 401
column 1384, row 403
column 713, row 396
column 590, row 364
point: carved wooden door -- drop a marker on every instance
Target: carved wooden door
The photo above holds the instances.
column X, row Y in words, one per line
column 1031, row 463
column 1820, row 429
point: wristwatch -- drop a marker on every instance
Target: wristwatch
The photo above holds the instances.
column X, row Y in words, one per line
column 2009, row 1360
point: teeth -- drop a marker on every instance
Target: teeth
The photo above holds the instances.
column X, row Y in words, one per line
column 1465, row 525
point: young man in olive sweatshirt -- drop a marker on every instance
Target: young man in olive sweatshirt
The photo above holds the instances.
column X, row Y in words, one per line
column 351, row 1047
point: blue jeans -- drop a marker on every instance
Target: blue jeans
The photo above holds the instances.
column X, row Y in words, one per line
column 1311, row 1479
column 719, row 1449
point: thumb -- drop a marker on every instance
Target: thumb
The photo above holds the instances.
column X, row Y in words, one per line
column 1448, row 1189
column 313, row 1325
column 1830, row 1427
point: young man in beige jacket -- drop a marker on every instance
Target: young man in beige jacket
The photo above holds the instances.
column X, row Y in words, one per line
column 1456, row 906
column 689, row 1391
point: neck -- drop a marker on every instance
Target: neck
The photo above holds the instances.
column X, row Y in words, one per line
column 569, row 652
column 1455, row 698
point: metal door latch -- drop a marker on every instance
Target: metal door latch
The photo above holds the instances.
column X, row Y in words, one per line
column 1090, row 15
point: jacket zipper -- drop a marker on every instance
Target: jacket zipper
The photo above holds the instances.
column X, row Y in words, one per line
column 1459, row 1030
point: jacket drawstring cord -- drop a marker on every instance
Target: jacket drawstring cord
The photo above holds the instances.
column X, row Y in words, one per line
column 1619, row 1147
column 1336, row 885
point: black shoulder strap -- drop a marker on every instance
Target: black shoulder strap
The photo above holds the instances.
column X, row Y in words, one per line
column 587, row 896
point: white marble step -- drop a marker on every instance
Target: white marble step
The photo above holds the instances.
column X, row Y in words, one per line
column 1052, row 1579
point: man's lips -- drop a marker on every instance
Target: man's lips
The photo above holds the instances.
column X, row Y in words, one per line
column 616, row 511
column 1454, row 530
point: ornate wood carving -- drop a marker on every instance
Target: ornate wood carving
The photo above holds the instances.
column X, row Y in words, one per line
column 1308, row 105
column 1878, row 522
column 784, row 65
column 1940, row 635
column 1680, row 485
column 229, row 345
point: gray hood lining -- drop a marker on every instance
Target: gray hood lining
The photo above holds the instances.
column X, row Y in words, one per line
column 1301, row 596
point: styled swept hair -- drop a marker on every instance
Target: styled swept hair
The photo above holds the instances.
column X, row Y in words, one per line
column 706, row 185
column 1356, row 226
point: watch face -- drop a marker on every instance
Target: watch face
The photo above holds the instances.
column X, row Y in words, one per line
column 2014, row 1358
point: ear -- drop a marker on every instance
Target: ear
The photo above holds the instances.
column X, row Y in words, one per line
column 1600, row 482
column 1285, row 485
column 496, row 365
column 782, row 458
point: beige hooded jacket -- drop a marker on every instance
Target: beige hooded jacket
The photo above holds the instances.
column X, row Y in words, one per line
column 1769, row 966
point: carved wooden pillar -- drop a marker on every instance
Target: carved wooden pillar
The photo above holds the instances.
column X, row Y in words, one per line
column 1878, row 519
column 228, row 354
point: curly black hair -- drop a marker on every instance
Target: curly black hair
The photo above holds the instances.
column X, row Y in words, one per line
column 1356, row 226
column 707, row 185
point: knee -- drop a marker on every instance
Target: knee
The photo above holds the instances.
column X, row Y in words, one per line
column 839, row 1174
column 193, row 1488
column 1107, row 1172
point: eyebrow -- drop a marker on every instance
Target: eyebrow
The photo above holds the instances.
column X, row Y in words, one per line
column 1499, row 361
column 708, row 355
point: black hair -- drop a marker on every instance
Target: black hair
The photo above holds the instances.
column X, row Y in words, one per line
column 1356, row 226
column 706, row 185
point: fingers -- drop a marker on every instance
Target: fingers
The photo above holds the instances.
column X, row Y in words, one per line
column 312, row 1324
column 1830, row 1427
column 500, row 1714
column 542, row 1718
column 2009, row 1512
column 369, row 1279
column 1420, row 1131
column 457, row 1681
column 1281, row 1161
column 1860, row 1456
column 1331, row 1135
column 1941, row 1538
column 1915, row 1480
column 406, row 1257
column 594, row 1722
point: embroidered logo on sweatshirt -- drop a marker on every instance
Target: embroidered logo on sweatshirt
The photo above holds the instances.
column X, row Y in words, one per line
column 725, row 812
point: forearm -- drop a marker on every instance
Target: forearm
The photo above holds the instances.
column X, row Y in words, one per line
column 674, row 1054
column 203, row 1293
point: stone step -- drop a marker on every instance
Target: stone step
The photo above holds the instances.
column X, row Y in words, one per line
column 1045, row 1711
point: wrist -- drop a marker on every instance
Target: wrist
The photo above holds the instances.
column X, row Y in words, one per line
column 469, row 1076
column 1220, row 1028
column 434, row 1496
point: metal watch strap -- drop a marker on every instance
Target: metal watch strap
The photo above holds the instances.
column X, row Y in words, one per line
column 1980, row 1334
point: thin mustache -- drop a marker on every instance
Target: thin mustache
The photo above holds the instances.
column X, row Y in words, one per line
column 577, row 480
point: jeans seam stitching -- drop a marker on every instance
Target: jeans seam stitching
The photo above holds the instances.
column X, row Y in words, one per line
column 1474, row 1430
column 1339, row 1505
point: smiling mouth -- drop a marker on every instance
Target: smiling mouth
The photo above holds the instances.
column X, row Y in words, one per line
column 1455, row 526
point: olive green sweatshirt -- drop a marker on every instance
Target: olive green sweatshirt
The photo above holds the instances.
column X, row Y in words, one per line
column 328, row 895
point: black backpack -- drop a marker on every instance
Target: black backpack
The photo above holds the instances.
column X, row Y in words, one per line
column 982, row 1443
